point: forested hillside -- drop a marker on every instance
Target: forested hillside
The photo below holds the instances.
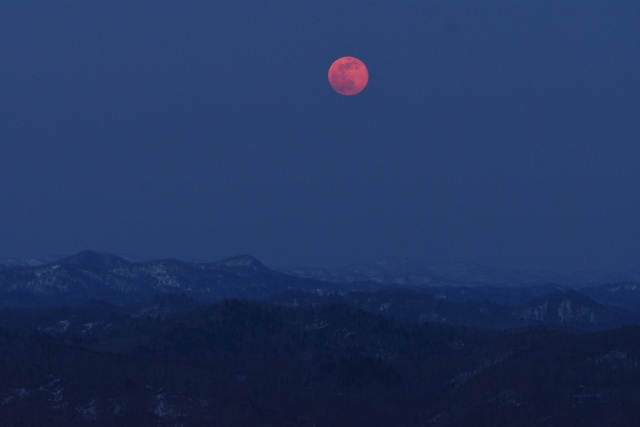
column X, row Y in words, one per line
column 251, row 364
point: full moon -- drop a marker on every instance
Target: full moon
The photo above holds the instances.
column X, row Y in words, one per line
column 348, row 75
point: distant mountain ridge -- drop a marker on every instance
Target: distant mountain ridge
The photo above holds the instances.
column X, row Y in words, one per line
column 395, row 288
column 94, row 275
column 415, row 272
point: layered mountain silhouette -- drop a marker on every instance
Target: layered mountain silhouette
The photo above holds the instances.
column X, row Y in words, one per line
column 259, row 364
column 91, row 275
column 99, row 339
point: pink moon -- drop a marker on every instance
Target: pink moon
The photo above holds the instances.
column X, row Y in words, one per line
column 348, row 75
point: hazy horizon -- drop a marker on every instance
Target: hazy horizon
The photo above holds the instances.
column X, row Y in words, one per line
column 52, row 258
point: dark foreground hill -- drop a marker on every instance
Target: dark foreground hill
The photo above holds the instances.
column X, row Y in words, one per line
column 245, row 363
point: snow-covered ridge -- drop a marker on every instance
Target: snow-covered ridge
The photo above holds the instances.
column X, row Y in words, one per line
column 94, row 275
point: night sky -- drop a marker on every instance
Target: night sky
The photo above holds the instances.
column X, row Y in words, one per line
column 504, row 133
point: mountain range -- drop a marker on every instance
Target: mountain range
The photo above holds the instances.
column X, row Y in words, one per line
column 247, row 363
column 98, row 339
column 402, row 289
column 415, row 272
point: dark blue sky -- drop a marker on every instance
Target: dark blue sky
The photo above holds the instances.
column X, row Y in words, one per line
column 499, row 132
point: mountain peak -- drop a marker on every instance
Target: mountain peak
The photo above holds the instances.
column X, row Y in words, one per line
column 242, row 261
